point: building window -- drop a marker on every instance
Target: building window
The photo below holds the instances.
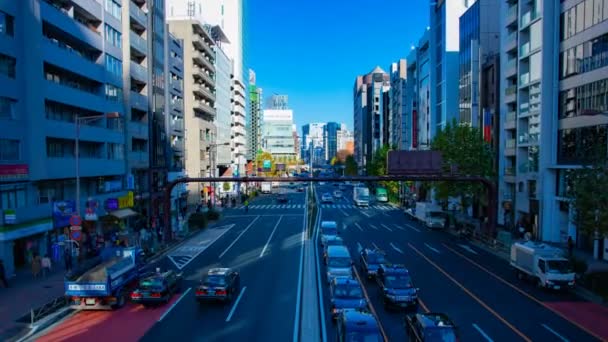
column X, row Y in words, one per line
column 7, row 24
column 114, row 65
column 12, row 197
column 112, row 36
column 585, row 57
column 114, row 9
column 113, row 93
column 590, row 98
column 9, row 150
column 7, row 65
column 7, row 108
column 116, row 151
column 580, row 145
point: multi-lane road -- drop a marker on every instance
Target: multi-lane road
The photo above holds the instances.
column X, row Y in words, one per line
column 266, row 244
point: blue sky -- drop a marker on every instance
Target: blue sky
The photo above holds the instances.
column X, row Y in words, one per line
column 312, row 50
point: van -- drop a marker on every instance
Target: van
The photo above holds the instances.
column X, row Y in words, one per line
column 339, row 263
column 381, row 195
column 328, row 228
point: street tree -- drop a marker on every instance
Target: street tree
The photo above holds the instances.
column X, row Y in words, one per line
column 351, row 168
column 589, row 196
column 464, row 150
column 226, row 186
column 378, row 167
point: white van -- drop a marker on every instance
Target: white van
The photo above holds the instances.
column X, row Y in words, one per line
column 339, row 263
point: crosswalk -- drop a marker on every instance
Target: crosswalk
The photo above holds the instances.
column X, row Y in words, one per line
column 352, row 206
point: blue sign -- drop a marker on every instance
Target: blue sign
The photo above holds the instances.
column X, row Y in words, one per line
column 62, row 211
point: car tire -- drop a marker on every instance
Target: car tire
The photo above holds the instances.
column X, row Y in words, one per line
column 230, row 296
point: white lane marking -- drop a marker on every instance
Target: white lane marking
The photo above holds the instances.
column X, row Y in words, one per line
column 396, row 248
column 413, row 228
column 296, row 323
column 359, row 247
column 374, row 227
column 238, row 237
column 432, row 248
column 270, row 237
column 358, row 226
column 238, row 299
column 344, row 212
column 375, row 246
column 387, row 228
column 483, row 333
column 366, row 214
column 467, row 248
column 174, row 304
column 399, row 227
column 555, row 333
column 183, row 255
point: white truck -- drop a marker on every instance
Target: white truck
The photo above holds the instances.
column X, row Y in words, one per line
column 430, row 214
column 266, row 188
column 542, row 263
column 361, row 196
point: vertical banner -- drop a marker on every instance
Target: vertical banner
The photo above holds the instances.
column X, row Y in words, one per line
column 414, row 128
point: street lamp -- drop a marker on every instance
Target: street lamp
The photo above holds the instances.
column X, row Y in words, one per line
column 211, row 147
column 79, row 121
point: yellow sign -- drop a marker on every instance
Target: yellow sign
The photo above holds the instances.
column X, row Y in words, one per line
column 126, row 201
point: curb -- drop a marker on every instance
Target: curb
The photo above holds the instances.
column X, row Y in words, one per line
column 44, row 324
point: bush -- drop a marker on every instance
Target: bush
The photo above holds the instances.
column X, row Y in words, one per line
column 213, row 215
column 197, row 221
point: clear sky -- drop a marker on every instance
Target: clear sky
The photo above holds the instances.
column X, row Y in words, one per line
column 312, row 50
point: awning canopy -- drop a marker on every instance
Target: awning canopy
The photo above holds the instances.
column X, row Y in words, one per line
column 123, row 213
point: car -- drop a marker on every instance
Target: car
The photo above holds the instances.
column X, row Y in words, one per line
column 301, row 189
column 220, row 284
column 371, row 260
column 328, row 228
column 345, row 293
column 339, row 263
column 338, row 194
column 342, row 187
column 331, row 240
column 321, row 183
column 396, row 287
column 430, row 327
column 327, row 198
column 156, row 288
column 282, row 198
column 358, row 325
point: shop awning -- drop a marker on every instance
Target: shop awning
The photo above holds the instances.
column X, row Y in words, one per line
column 123, row 213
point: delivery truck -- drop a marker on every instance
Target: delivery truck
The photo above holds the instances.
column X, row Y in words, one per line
column 107, row 285
column 266, row 188
column 544, row 264
column 430, row 214
column 361, row 196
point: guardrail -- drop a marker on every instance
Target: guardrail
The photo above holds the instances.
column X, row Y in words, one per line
column 37, row 314
column 313, row 210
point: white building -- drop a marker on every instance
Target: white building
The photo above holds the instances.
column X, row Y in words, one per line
column 277, row 132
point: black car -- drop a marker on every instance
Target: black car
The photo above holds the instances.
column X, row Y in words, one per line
column 301, row 189
column 355, row 325
column 430, row 327
column 220, row 284
column 371, row 259
column 396, row 287
column 282, row 198
column 156, row 288
column 346, row 293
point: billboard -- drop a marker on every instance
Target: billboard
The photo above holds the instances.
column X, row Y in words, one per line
column 267, row 165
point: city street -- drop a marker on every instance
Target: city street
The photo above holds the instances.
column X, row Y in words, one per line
column 476, row 289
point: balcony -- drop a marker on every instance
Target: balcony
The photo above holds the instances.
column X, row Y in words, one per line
column 528, row 167
column 139, row 72
column 238, row 130
column 138, row 15
column 138, row 159
column 176, row 84
column 527, row 18
column 67, row 93
column 200, row 44
column 139, row 101
column 138, row 129
column 510, row 93
column 509, row 148
column 202, row 61
column 509, row 171
column 204, row 110
column 524, row 79
column 511, row 120
column 89, row 167
column 204, row 92
column 238, row 120
column 177, row 125
column 534, row 120
column 511, row 68
column 60, row 18
column 177, row 106
column 177, row 144
column 511, row 16
column 524, row 50
column 59, row 54
column 138, row 43
column 511, row 42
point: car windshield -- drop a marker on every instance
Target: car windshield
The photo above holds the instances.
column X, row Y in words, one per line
column 398, row 281
column 151, row 284
column 348, row 291
column 215, row 280
column 375, row 258
column 436, row 214
column 338, row 262
column 334, row 242
column 559, row 266
column 360, row 336
column 330, row 231
column 440, row 334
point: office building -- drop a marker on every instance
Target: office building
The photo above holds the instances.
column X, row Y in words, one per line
column 444, row 41
column 277, row 136
column 64, row 86
column 399, row 120
column 479, row 39
column 199, row 101
column 223, row 105
column 330, row 140
column 368, row 122
column 529, row 79
column 345, row 140
column 296, row 140
column 254, row 133
column 312, row 139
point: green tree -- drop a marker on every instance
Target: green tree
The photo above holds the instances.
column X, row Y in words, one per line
column 462, row 147
column 352, row 169
column 378, row 167
column 589, row 196
column 226, row 186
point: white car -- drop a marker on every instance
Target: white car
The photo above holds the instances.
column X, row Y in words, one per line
column 327, row 198
column 338, row 194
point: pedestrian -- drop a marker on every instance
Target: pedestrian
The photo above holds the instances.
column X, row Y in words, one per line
column 36, row 265
column 246, row 206
column 46, row 265
column 3, row 274
column 570, row 246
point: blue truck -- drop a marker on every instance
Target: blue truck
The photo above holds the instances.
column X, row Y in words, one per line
column 106, row 286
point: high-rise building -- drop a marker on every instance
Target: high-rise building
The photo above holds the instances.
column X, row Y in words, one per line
column 199, row 100
column 367, row 95
column 254, row 133
column 277, row 136
column 345, row 140
column 529, row 83
column 223, row 105
column 330, row 139
column 479, row 39
column 312, row 138
column 444, row 42
column 399, row 119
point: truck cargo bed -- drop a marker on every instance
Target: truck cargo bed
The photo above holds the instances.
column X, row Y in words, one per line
column 99, row 272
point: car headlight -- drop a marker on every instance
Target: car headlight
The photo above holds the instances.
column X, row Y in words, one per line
column 391, row 297
column 549, row 282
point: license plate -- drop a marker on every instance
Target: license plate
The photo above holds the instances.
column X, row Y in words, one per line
column 557, row 287
column 89, row 301
column 212, row 293
column 402, row 298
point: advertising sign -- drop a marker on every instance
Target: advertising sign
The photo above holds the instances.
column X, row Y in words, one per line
column 14, row 172
column 62, row 211
column 112, row 204
column 10, row 216
column 267, row 165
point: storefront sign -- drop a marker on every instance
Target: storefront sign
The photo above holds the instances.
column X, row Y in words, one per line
column 14, row 172
column 130, row 182
column 62, row 211
column 112, row 186
column 126, row 201
column 112, row 204
column 90, row 213
column 10, row 216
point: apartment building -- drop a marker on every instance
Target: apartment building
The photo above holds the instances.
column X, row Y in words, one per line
column 223, row 104
column 199, row 101
column 399, row 119
column 254, row 134
column 417, row 95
